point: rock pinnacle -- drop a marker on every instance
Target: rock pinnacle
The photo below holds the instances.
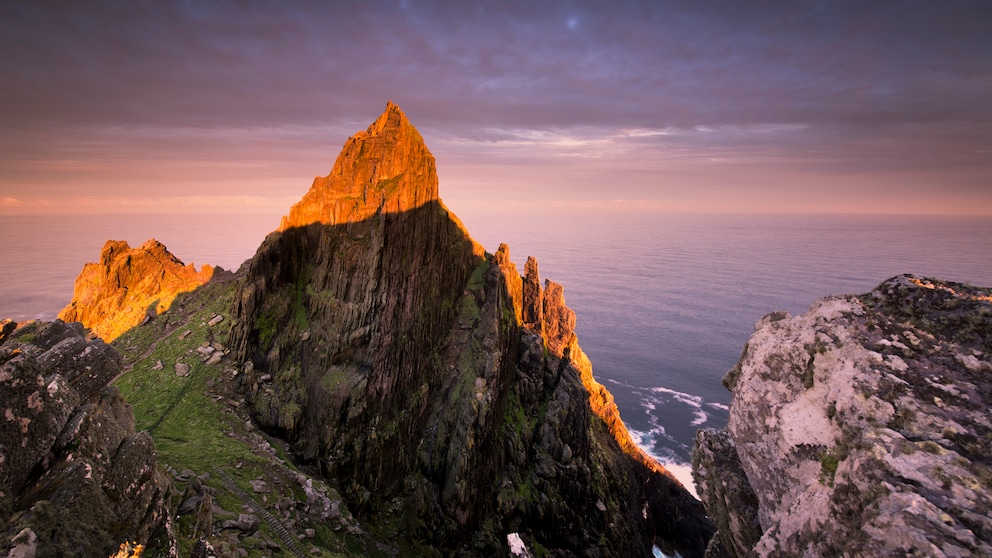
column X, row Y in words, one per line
column 386, row 168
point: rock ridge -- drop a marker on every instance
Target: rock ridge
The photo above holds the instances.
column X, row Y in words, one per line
column 859, row 428
column 544, row 312
column 436, row 399
column 128, row 285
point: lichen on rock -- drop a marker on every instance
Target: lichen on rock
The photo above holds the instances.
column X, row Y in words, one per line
column 73, row 473
column 861, row 427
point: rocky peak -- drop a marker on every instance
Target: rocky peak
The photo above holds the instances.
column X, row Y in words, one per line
column 434, row 383
column 128, row 284
column 533, row 308
column 386, row 168
column 543, row 311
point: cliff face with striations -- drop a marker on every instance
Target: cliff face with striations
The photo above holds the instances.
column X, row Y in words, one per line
column 128, row 284
column 75, row 477
column 859, row 428
column 445, row 394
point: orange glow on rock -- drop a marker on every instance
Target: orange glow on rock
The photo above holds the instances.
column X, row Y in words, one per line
column 128, row 284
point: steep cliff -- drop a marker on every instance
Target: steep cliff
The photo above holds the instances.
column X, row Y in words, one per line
column 445, row 394
column 859, row 428
column 75, row 477
column 127, row 284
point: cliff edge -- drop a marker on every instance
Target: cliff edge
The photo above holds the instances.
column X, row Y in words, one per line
column 859, row 428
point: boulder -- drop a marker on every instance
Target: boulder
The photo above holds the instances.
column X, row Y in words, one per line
column 202, row 549
column 245, row 522
column 859, row 428
column 25, row 544
column 77, row 478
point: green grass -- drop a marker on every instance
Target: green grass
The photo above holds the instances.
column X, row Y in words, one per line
column 194, row 426
column 188, row 426
column 27, row 338
column 265, row 324
column 828, row 467
column 477, row 280
column 470, row 309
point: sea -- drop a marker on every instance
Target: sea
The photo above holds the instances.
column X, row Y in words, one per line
column 664, row 302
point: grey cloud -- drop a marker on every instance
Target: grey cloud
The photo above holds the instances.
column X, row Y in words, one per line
column 864, row 81
column 657, row 63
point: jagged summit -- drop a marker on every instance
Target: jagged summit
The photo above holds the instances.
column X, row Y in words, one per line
column 386, row 168
column 115, row 294
column 443, row 395
column 432, row 382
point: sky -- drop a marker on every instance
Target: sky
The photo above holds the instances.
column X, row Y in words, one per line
column 149, row 106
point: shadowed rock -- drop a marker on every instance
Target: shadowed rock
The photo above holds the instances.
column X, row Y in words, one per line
column 73, row 471
column 401, row 363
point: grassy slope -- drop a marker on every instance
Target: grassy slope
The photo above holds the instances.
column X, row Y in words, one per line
column 198, row 424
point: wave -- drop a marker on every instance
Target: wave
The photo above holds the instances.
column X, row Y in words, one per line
column 677, row 467
column 694, row 401
column 653, row 397
column 679, row 411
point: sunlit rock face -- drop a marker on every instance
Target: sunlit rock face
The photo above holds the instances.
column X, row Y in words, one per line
column 75, row 477
column 446, row 394
column 128, row 284
column 859, row 428
column 386, row 168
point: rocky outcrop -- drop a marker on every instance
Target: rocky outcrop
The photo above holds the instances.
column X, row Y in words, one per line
column 75, row 477
column 859, row 428
column 387, row 168
column 129, row 284
column 445, row 394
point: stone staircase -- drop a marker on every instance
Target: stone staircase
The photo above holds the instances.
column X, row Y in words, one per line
column 288, row 539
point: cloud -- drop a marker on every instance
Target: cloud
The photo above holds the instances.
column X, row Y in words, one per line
column 199, row 203
column 202, row 204
column 840, row 86
column 655, row 64
column 16, row 202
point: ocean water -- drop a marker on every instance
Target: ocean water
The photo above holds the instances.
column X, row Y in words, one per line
column 664, row 302
column 40, row 256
